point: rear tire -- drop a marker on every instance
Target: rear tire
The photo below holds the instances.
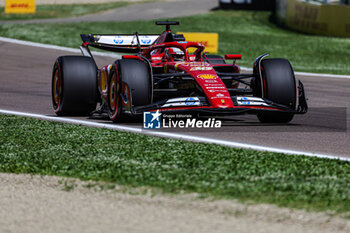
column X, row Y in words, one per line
column 74, row 85
column 278, row 86
column 135, row 75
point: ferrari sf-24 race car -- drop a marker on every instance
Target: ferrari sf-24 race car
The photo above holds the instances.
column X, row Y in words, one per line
column 166, row 73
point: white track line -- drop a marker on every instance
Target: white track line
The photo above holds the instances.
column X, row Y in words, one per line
column 170, row 135
column 47, row 46
column 308, row 74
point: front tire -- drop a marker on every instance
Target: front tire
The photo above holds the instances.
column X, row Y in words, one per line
column 74, row 85
column 278, row 86
column 132, row 75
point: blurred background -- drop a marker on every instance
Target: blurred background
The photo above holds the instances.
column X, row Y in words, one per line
column 320, row 17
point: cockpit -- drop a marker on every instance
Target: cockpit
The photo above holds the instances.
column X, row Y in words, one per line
column 176, row 51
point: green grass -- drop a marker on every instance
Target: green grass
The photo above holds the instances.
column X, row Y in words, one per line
column 59, row 11
column 246, row 32
column 41, row 147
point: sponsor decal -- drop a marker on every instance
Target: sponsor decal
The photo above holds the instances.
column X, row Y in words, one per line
column 181, row 63
column 151, row 120
column 211, row 81
column 222, row 101
column 209, row 40
column 118, row 40
column 210, row 90
column 218, row 87
column 224, row 97
column 184, row 101
column 220, row 96
column 199, row 64
column 20, row 6
column 213, row 85
column 244, row 100
column 251, row 101
column 23, row 5
column 206, row 76
column 125, row 39
column 198, row 68
column 146, row 40
column 190, row 101
column 184, row 63
column 313, row 18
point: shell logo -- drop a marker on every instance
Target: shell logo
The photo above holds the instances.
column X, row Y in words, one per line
column 207, row 76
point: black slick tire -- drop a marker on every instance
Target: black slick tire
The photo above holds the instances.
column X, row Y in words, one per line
column 74, row 85
column 278, row 86
column 134, row 75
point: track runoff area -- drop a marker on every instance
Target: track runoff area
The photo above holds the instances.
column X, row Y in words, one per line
column 154, row 132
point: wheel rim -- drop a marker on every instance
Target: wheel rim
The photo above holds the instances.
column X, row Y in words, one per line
column 56, row 90
column 114, row 96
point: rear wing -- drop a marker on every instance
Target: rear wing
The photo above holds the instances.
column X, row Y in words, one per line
column 126, row 43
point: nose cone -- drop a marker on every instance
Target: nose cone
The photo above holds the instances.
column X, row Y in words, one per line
column 221, row 103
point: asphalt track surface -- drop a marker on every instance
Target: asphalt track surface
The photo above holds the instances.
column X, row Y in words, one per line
column 25, row 75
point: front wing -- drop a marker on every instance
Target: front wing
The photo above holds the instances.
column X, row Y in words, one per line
column 242, row 105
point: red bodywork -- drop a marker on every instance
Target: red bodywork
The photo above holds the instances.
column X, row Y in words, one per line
column 192, row 63
column 203, row 73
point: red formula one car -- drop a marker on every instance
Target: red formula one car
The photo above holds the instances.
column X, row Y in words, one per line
column 169, row 74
